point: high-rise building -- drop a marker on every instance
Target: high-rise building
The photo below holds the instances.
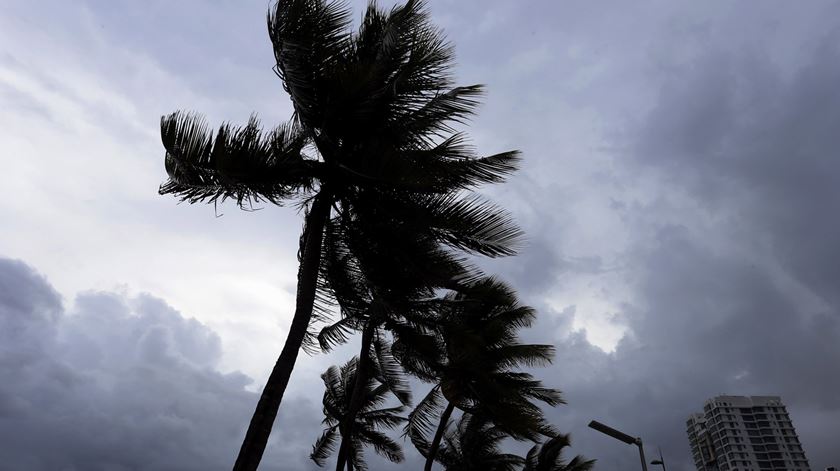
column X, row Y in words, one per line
column 745, row 433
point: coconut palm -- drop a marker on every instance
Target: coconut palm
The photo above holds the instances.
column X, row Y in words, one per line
column 548, row 456
column 366, row 428
column 474, row 369
column 371, row 138
column 376, row 290
column 473, row 445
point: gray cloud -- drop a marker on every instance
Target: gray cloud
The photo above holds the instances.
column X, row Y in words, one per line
column 122, row 383
column 745, row 135
column 719, row 326
column 734, row 260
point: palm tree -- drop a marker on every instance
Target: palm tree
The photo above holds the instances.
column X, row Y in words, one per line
column 473, row 445
column 474, row 371
column 548, row 456
column 367, row 425
column 371, row 138
column 375, row 289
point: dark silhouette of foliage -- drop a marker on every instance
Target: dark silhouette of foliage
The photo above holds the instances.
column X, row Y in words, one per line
column 371, row 154
column 370, row 420
column 474, row 368
column 548, row 456
column 473, row 445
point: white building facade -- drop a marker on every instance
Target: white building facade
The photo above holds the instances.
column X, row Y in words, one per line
column 745, row 433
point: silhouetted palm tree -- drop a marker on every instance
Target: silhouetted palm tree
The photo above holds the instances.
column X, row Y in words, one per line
column 366, row 428
column 473, row 445
column 371, row 138
column 475, row 368
column 548, row 456
column 375, row 290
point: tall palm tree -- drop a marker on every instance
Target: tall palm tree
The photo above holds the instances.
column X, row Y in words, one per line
column 548, row 456
column 475, row 370
column 366, row 428
column 473, row 445
column 371, row 138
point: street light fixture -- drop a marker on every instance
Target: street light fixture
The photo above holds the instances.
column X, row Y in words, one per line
column 660, row 461
column 607, row 430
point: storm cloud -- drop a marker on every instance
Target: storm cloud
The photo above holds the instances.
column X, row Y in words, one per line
column 679, row 190
column 121, row 382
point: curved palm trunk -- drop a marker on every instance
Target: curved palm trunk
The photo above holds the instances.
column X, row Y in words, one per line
column 259, row 429
column 444, row 419
column 357, row 397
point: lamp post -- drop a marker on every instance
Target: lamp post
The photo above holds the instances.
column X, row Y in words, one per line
column 660, row 461
column 606, row 430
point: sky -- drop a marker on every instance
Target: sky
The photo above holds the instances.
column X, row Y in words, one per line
column 679, row 191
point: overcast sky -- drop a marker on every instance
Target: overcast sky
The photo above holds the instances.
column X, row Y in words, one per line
column 680, row 190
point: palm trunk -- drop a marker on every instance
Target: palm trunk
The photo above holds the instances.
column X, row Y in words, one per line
column 259, row 429
column 357, row 397
column 444, row 420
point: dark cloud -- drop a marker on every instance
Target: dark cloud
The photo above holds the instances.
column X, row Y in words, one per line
column 711, row 325
column 122, row 383
column 742, row 297
column 749, row 136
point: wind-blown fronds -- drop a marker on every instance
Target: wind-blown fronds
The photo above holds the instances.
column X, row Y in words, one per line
column 474, row 366
column 387, row 371
column 310, row 39
column 324, row 446
column 373, row 156
column 474, row 445
column 238, row 163
column 371, row 418
column 423, row 420
column 548, row 456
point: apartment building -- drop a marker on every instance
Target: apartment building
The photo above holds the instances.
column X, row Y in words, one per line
column 745, row 433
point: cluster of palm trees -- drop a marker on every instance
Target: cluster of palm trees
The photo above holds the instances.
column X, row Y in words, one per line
column 373, row 157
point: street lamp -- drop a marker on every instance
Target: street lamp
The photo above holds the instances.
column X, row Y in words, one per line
column 606, row 430
column 660, row 461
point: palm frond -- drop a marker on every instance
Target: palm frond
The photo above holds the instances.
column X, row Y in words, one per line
column 357, row 456
column 407, row 58
column 435, row 118
column 310, row 38
column 334, row 380
column 548, row 456
column 418, row 352
column 324, row 446
column 518, row 418
column 376, row 395
column 473, row 224
column 580, row 463
column 241, row 163
column 337, row 333
column 422, row 421
column 449, row 165
column 323, row 309
column 529, row 355
column 490, row 291
column 383, row 445
column 389, row 372
column 387, row 418
column 527, row 386
column 515, row 317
